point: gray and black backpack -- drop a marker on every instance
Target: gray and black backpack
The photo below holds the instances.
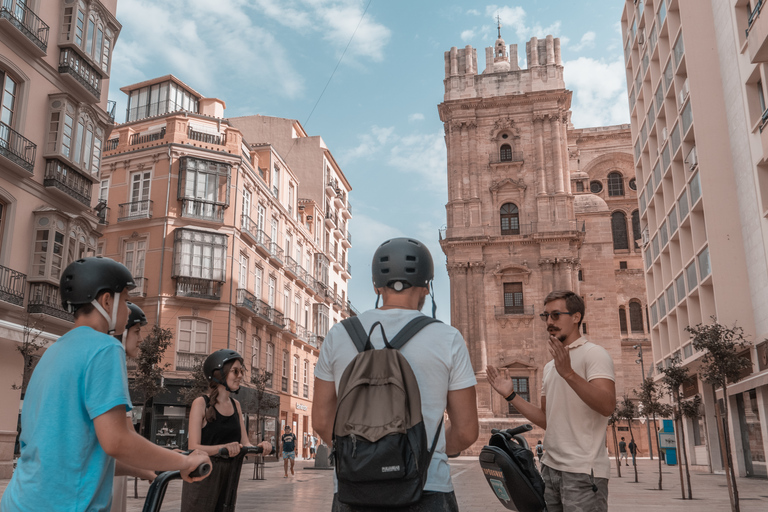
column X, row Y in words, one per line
column 379, row 439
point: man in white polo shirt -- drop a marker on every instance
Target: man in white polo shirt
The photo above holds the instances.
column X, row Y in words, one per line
column 578, row 394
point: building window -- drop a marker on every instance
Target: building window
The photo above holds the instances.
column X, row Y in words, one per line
column 595, row 187
column 285, row 372
column 243, row 280
column 622, row 265
column 276, row 181
column 510, row 219
column 295, row 375
column 321, row 319
column 633, row 184
column 104, row 190
column 306, row 378
column 203, row 188
column 579, row 186
column 259, row 274
column 134, row 253
column 505, row 153
column 615, row 184
column 581, row 275
column 56, row 245
column 636, row 232
column 199, row 254
column 270, row 367
column 240, row 341
column 623, row 320
column 92, row 35
column 619, row 230
column 194, row 337
column 513, row 299
column 75, row 135
column 255, row 352
column 8, row 102
column 271, row 294
column 159, row 99
column 760, row 96
column 636, row 317
column 520, row 386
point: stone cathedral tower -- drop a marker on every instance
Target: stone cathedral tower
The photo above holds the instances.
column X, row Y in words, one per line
column 534, row 206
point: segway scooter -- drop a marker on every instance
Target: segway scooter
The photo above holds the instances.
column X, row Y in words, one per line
column 508, row 465
column 157, row 490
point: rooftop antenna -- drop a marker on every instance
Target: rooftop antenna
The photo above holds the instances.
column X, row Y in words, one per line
column 498, row 21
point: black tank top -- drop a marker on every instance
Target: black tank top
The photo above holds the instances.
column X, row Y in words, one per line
column 223, row 429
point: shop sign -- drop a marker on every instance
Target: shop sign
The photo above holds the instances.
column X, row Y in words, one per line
column 690, row 387
column 302, row 407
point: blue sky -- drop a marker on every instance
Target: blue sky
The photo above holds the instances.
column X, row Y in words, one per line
column 379, row 113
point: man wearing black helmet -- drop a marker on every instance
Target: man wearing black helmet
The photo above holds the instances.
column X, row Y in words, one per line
column 402, row 274
column 73, row 420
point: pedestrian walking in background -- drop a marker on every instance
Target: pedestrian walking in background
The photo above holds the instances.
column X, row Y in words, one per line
column 623, row 451
column 288, row 441
column 539, row 452
column 633, row 451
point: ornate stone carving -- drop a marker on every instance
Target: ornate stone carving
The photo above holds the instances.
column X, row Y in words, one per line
column 496, row 185
column 511, row 271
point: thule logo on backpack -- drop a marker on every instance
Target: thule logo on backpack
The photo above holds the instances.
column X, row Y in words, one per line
column 389, row 469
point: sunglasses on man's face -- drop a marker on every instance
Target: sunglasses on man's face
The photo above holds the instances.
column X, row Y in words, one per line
column 554, row 314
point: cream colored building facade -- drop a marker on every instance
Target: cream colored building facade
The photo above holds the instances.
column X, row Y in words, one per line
column 536, row 205
column 695, row 77
column 55, row 60
column 227, row 249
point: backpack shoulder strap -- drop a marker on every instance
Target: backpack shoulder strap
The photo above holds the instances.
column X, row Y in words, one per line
column 356, row 331
column 410, row 330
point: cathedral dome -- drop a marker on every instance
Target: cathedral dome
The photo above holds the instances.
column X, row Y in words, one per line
column 589, row 203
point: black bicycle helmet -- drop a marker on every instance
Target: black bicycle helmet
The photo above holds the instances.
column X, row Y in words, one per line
column 402, row 262
column 83, row 280
column 137, row 316
column 217, row 360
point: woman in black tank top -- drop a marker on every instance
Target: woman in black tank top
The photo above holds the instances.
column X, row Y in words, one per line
column 215, row 422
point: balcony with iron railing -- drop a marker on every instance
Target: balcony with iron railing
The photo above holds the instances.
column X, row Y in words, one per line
column 248, row 301
column 507, row 158
column 187, row 362
column 135, row 210
column 291, row 267
column 197, row 288
column 17, row 148
column 73, row 65
column 44, row 298
column 143, row 138
column 141, row 287
column 24, row 19
column 202, row 210
column 68, row 181
column 111, row 108
column 331, row 219
column 331, row 187
column 514, row 310
column 207, row 138
column 276, row 253
column 12, row 286
column 111, row 144
column 351, row 310
column 757, row 35
column 346, row 212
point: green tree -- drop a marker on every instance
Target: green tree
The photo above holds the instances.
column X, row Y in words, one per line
column 723, row 362
column 148, row 376
column 612, row 419
column 674, row 376
column 649, row 399
column 198, row 387
column 626, row 411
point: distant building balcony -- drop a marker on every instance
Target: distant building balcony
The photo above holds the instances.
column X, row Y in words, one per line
column 135, row 210
column 331, row 219
column 347, row 240
column 12, row 285
column 291, row 267
column 276, row 253
column 16, row 13
column 67, row 180
column 73, row 65
column 17, row 148
column 141, row 287
column 203, row 210
column 102, row 213
column 514, row 310
column 197, row 288
column 248, row 301
column 143, row 138
column 111, row 107
column 186, row 362
column 111, row 144
column 207, row 138
column 44, row 298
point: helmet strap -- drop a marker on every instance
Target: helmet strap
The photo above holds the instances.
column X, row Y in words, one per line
column 217, row 381
column 111, row 320
column 378, row 296
column 432, row 294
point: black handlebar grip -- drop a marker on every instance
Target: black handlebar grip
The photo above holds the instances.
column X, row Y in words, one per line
column 202, row 470
column 253, row 449
column 519, row 430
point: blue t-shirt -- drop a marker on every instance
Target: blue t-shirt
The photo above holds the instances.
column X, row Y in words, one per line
column 62, row 465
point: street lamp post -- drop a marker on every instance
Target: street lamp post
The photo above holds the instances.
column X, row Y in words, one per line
column 639, row 361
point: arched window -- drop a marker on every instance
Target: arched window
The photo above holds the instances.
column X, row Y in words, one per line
column 510, row 219
column 619, row 230
column 636, row 233
column 595, row 187
column 623, row 320
column 615, row 184
column 636, row 317
column 505, row 153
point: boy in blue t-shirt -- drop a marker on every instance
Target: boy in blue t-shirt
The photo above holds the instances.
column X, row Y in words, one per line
column 74, row 416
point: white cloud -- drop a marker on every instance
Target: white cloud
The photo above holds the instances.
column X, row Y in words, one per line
column 587, row 41
column 599, row 91
column 416, row 117
column 370, row 233
column 473, row 12
column 467, row 35
column 370, row 143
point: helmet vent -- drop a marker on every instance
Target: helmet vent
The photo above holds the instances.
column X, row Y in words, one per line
column 384, row 259
column 410, row 270
column 410, row 258
column 385, row 271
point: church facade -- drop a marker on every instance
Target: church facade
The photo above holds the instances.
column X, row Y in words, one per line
column 536, row 205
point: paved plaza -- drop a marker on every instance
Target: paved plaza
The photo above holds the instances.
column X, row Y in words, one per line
column 312, row 490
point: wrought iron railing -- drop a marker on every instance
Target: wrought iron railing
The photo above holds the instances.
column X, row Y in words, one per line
column 72, row 63
column 139, row 138
column 111, row 144
column 135, row 210
column 198, row 288
column 25, row 19
column 17, row 148
column 349, row 268
column 207, row 138
column 61, row 176
column 141, row 287
column 12, row 286
column 514, row 310
column 44, row 298
column 187, row 362
column 276, row 251
column 246, row 299
column 204, row 210
column 111, row 107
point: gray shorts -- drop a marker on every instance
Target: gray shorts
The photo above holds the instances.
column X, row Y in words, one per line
column 573, row 492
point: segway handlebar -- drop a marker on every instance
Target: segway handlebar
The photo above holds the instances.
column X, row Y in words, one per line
column 511, row 432
column 245, row 450
column 156, row 492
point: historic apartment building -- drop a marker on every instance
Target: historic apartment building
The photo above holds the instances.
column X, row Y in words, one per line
column 231, row 247
column 535, row 205
column 696, row 75
column 55, row 60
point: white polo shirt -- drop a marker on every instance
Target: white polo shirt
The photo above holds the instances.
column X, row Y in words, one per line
column 575, row 436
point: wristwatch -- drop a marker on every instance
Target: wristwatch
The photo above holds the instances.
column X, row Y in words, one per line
column 511, row 397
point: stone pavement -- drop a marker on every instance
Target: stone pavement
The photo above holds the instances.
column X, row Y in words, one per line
column 311, row 490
